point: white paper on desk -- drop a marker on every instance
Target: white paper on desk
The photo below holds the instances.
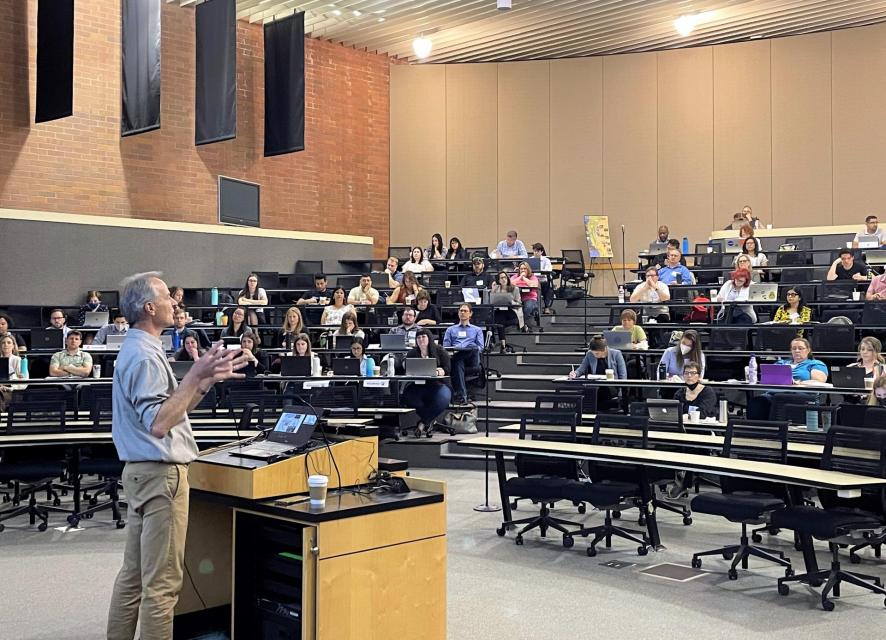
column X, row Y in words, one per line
column 814, row 383
column 316, row 384
column 95, row 347
column 377, row 383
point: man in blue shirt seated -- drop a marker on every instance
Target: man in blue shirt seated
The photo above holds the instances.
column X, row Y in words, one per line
column 469, row 340
column 510, row 247
column 116, row 328
column 673, row 272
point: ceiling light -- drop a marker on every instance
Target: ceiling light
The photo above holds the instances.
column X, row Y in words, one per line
column 685, row 24
column 503, row 5
column 422, row 47
column 381, row 19
column 336, row 12
column 356, row 13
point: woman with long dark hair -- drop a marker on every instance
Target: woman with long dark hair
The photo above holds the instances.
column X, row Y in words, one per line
column 250, row 295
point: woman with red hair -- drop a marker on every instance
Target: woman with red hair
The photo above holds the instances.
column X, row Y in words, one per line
column 737, row 289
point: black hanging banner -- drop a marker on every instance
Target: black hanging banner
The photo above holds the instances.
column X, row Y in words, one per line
column 216, row 74
column 285, row 85
column 141, row 67
column 55, row 59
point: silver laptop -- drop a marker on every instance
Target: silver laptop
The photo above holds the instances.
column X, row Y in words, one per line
column 471, row 294
column 96, row 319
column 180, row 369
column 875, row 257
column 293, row 430
column 763, row 292
column 421, row 367
column 501, row 299
column 868, row 242
column 620, row 340
column 115, row 342
column 393, row 340
column 732, row 245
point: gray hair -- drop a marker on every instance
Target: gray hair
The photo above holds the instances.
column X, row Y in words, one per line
column 137, row 291
column 511, row 234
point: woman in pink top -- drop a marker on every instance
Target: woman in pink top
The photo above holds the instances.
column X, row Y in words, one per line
column 528, row 284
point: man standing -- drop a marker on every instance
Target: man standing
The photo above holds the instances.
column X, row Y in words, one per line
column 510, row 247
column 468, row 339
column 72, row 361
column 151, row 431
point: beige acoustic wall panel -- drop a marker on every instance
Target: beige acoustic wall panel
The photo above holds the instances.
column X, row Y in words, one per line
column 472, row 153
column 801, row 131
column 859, row 105
column 686, row 142
column 524, row 150
column 630, row 146
column 742, row 131
column 418, row 153
column 576, row 149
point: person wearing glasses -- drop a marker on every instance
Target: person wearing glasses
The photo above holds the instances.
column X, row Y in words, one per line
column 58, row 320
column 793, row 311
column 655, row 292
column 696, row 394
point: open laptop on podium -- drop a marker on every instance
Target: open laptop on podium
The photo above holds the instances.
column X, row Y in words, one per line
column 293, row 431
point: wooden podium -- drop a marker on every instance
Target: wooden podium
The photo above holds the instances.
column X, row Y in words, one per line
column 369, row 565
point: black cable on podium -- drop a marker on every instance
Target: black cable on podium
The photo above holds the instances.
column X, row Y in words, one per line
column 487, row 507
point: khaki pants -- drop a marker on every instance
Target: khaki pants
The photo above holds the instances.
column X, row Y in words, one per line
column 149, row 582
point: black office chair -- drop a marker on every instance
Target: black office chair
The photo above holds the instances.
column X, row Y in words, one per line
column 874, row 314
column 103, row 462
column 874, row 418
column 544, row 480
column 790, row 275
column 747, row 501
column 299, row 281
column 801, row 243
column 663, row 478
column 477, row 252
column 832, row 337
column 851, row 415
column 841, row 521
column 831, row 315
column 792, row 258
column 836, row 290
column 574, row 267
column 774, row 338
column 728, row 339
column 308, row 266
column 613, row 488
column 401, row 253
column 347, row 282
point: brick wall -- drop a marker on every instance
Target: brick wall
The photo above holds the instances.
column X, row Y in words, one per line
column 82, row 165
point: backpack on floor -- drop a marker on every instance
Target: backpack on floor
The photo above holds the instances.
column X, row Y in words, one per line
column 461, row 420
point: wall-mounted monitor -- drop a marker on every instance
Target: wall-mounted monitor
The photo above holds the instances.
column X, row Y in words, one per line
column 238, row 202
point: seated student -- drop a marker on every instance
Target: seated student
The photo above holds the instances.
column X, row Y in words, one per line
column 673, row 272
column 407, row 326
column 334, row 311
column 870, row 358
column 750, row 248
column 468, row 338
column 877, row 288
column 417, row 262
column 118, row 327
column 293, row 325
column 653, row 291
column 794, row 310
column 546, row 268
column 743, row 261
column 871, row 228
column 349, row 327
column 748, row 215
column 745, row 232
column 431, row 398
column 803, row 369
column 190, row 350
column 9, row 350
column 695, row 394
column 358, row 352
column 254, row 356
column 58, row 320
column 628, row 319
column 394, row 277
column 177, row 294
column 251, row 295
column 878, row 393
column 363, row 293
column 597, row 360
column 846, row 267
column 735, row 289
column 737, row 221
column 661, row 241
column 405, row 292
column 510, row 247
column 73, row 361
column 179, row 330
column 318, row 295
column 529, row 287
column 455, row 252
column 428, row 314
column 436, row 250
column 478, row 277
column 93, row 303
column 302, row 347
column 238, row 325
column 509, row 317
column 6, row 327
column 686, row 351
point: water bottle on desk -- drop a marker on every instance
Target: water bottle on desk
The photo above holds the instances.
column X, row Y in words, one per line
column 662, row 370
column 752, row 370
column 24, row 366
column 370, row 367
column 213, row 296
column 685, row 245
column 621, row 294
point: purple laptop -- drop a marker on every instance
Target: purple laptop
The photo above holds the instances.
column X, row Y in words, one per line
column 776, row 374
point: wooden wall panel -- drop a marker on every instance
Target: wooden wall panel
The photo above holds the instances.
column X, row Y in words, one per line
column 859, row 71
column 472, row 153
column 576, row 149
column 629, row 149
column 802, row 193
column 686, row 142
column 524, row 150
column 742, row 131
column 418, row 153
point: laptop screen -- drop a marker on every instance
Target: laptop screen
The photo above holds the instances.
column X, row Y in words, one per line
column 294, row 428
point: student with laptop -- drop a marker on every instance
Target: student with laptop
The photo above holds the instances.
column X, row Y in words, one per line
column 93, row 304
column 118, row 327
column 870, row 358
column 358, row 353
column 846, row 267
column 803, row 368
column 73, row 361
column 349, row 327
column 431, row 398
column 407, row 326
column 58, row 320
column 871, row 233
column 302, row 347
column 468, row 339
column 628, row 319
column 505, row 297
column 179, row 330
column 695, row 394
column 660, row 245
column 737, row 288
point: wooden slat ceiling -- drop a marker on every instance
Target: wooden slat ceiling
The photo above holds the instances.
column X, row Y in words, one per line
column 476, row 31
